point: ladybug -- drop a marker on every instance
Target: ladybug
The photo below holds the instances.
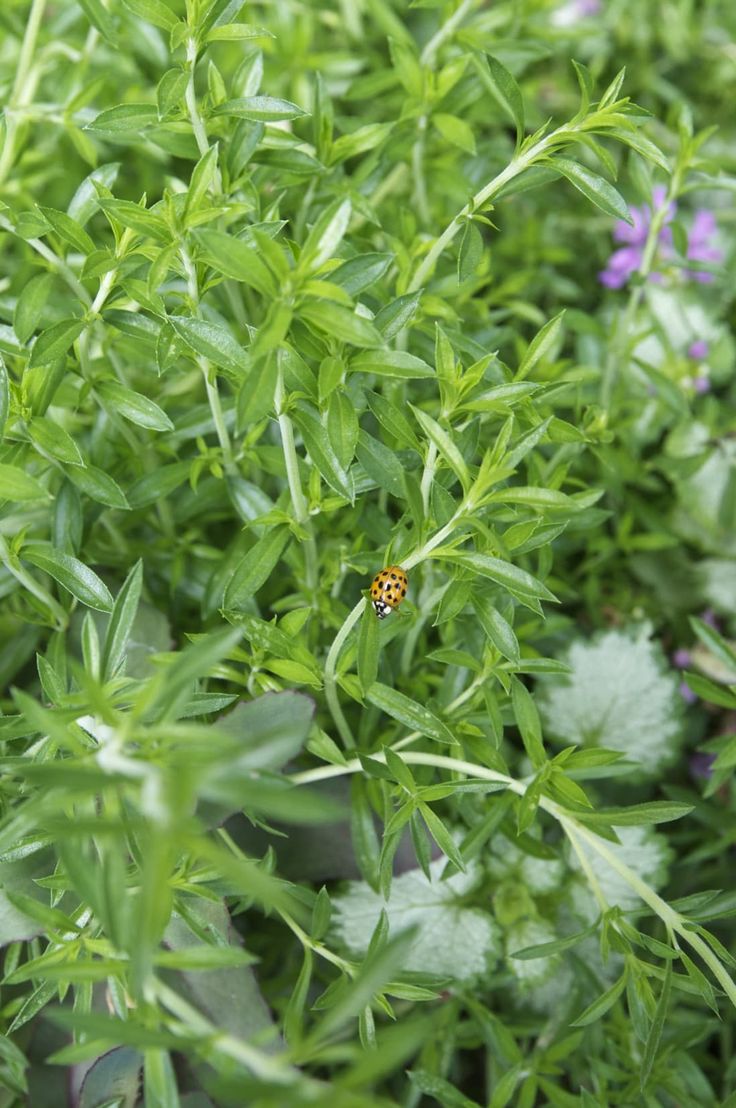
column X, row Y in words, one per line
column 388, row 589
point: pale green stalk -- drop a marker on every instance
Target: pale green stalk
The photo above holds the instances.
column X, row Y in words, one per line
column 672, row 920
column 24, row 86
column 298, row 499
column 210, row 381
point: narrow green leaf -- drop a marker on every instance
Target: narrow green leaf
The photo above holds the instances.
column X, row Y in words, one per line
column 656, row 1029
column 73, row 575
column 391, row 363
column 254, row 569
column 267, row 109
column 503, row 87
column 638, row 815
column 325, row 237
column 596, row 189
column 321, row 451
column 54, row 342
column 407, row 711
column 516, row 580
column 121, row 621
column 498, row 629
column 542, row 342
column 600, row 1006
column 213, row 341
column 134, row 407
column 17, row 485
column 153, row 11
column 445, row 445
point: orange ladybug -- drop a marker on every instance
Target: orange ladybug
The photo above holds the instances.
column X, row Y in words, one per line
column 388, row 589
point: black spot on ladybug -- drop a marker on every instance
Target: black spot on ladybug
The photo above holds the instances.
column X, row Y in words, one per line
column 403, row 592
column 393, row 576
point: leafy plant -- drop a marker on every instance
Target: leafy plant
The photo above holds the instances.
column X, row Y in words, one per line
column 288, row 294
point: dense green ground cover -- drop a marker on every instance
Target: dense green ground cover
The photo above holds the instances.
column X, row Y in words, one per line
column 289, row 292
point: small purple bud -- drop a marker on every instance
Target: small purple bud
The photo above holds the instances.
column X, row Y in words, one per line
column 682, row 658
column 698, row 350
column 687, row 693
column 709, row 616
column 701, row 766
column 701, row 385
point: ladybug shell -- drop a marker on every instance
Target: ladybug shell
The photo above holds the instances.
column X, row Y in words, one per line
column 388, row 589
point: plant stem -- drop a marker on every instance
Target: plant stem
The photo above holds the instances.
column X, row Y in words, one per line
column 195, row 118
column 516, row 166
column 333, row 655
column 213, row 396
column 23, row 86
column 445, row 31
column 672, row 920
column 298, row 499
column 621, row 341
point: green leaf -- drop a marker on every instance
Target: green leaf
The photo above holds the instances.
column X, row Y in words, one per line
column 4, row 398
column 234, row 258
column 471, row 251
column 391, row 363
column 54, row 342
column 455, row 131
column 600, row 1006
column 340, row 323
column 594, row 188
column 527, row 719
column 73, row 575
column 711, row 692
column 213, row 341
column 325, row 237
column 153, row 11
column 254, row 569
column 17, row 485
column 134, row 407
column 503, row 87
column 380, row 463
column 30, row 305
column 121, row 622
column 114, row 1077
column 368, row 647
column 97, row 485
column 321, row 451
column 556, row 946
column 445, row 445
column 657, row 1027
column 267, row 109
column 498, row 629
column 637, row 815
column 516, row 581
column 124, row 119
column 54, row 440
column 540, row 345
column 407, row 711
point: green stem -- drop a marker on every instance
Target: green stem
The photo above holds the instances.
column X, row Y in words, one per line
column 620, row 344
column 298, row 499
column 23, row 86
column 210, row 381
column 333, row 655
column 446, row 31
column 672, row 920
column 417, row 164
column 195, row 118
column 516, row 166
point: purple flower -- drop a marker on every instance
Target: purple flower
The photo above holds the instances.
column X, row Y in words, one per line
column 627, row 261
column 701, row 766
column 701, row 385
column 568, row 14
column 682, row 658
column 698, row 350
column 699, row 248
column 687, row 693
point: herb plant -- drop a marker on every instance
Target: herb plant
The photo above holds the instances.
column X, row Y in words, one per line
column 291, row 292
